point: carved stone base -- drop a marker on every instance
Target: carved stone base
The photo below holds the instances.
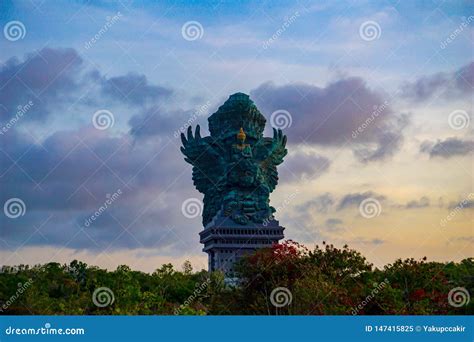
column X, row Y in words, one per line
column 226, row 242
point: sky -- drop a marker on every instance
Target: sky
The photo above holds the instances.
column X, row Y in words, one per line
column 376, row 98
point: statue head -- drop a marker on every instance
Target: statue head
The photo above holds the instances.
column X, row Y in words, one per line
column 238, row 112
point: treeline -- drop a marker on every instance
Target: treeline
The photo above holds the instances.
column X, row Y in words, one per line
column 284, row 279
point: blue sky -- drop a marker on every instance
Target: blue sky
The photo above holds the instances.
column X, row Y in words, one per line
column 311, row 59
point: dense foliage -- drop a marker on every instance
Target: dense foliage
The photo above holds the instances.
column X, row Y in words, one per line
column 284, row 279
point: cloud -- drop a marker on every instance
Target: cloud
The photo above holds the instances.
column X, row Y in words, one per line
column 334, row 225
column 449, row 85
column 301, row 165
column 345, row 112
column 54, row 78
column 365, row 241
column 464, row 204
column 171, row 123
column 320, row 204
column 333, row 222
column 423, row 202
column 67, row 179
column 134, row 89
column 447, row 148
column 354, row 199
column 46, row 78
column 461, row 239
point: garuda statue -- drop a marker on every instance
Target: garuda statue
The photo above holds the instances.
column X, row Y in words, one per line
column 235, row 167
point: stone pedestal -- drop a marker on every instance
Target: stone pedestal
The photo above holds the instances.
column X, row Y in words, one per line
column 226, row 241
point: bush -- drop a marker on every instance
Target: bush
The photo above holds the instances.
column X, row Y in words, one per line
column 284, row 279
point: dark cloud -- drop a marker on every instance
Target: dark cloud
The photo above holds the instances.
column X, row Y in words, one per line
column 468, row 239
column 134, row 89
column 56, row 80
column 155, row 121
column 47, row 78
column 447, row 148
column 303, row 166
column 423, row 202
column 320, row 204
column 344, row 112
column 449, row 85
column 333, row 221
column 464, row 204
column 334, row 225
column 355, row 199
column 369, row 241
column 68, row 178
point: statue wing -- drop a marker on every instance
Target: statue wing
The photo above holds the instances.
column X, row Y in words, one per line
column 208, row 169
column 271, row 152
